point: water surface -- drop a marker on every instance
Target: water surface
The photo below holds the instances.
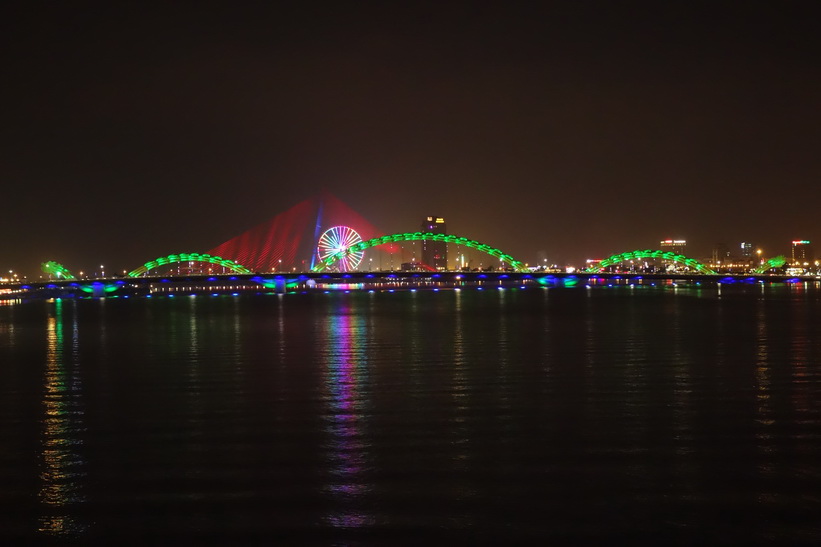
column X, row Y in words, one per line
column 642, row 414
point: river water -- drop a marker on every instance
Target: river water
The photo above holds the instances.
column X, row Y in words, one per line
column 569, row 415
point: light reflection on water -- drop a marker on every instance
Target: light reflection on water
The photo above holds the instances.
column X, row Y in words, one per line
column 558, row 414
column 345, row 371
column 62, row 465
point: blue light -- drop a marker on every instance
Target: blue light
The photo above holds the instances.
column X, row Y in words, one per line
column 235, row 294
column 164, row 281
column 214, row 294
column 169, row 296
column 212, row 279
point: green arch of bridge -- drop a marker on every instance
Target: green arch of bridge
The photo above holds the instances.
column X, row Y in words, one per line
column 57, row 270
column 775, row 262
column 189, row 257
column 422, row 236
column 647, row 253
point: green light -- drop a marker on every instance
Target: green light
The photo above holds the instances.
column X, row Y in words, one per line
column 107, row 288
column 189, row 257
column 774, row 262
column 647, row 253
column 56, row 269
column 422, row 236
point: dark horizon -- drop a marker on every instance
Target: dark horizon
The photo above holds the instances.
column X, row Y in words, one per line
column 571, row 131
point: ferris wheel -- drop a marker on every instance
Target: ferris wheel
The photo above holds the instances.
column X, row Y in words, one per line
column 337, row 239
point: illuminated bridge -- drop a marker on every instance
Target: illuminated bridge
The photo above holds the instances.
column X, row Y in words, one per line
column 235, row 285
column 320, row 243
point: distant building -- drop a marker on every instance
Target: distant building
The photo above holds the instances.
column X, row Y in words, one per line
column 676, row 245
column 721, row 253
column 435, row 253
column 802, row 251
column 746, row 250
column 415, row 267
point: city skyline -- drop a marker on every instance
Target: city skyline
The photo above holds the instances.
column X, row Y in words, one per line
column 563, row 131
column 292, row 241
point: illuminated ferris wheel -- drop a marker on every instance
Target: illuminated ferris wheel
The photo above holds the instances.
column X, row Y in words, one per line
column 337, row 239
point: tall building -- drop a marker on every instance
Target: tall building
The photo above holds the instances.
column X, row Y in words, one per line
column 746, row 250
column 721, row 254
column 435, row 253
column 676, row 245
column 802, row 251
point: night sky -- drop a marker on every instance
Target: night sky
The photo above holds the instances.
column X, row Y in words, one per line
column 571, row 130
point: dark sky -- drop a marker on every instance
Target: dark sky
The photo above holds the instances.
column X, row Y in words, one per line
column 575, row 129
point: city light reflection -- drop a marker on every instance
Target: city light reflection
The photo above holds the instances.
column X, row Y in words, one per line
column 345, row 370
column 62, row 465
